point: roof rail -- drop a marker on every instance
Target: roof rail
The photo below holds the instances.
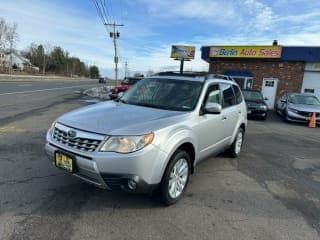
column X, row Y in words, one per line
column 184, row 74
column 205, row 75
column 221, row 76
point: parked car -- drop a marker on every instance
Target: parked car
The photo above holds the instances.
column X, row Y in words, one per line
column 153, row 137
column 298, row 107
column 256, row 105
column 124, row 86
column 102, row 80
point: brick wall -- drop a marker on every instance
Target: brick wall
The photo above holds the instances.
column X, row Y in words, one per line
column 290, row 74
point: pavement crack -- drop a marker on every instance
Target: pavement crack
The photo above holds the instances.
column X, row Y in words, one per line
column 28, row 179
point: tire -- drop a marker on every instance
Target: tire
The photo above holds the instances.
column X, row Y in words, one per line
column 177, row 183
column 265, row 117
column 236, row 146
column 284, row 116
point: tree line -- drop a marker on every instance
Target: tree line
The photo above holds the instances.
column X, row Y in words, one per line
column 55, row 60
column 49, row 60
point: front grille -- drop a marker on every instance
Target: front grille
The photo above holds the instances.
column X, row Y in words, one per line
column 79, row 143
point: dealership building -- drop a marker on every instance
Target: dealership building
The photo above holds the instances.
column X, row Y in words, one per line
column 271, row 69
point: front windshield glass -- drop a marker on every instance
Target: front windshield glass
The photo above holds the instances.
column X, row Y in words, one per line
column 170, row 94
column 303, row 99
column 250, row 95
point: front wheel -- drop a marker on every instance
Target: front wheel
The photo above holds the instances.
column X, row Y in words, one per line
column 236, row 146
column 175, row 178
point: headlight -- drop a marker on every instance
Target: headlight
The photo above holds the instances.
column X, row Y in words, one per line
column 293, row 110
column 264, row 107
column 126, row 144
column 52, row 125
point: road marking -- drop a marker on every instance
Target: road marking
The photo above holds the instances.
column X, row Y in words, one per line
column 11, row 129
column 48, row 89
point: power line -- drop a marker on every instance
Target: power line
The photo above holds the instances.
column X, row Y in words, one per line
column 103, row 12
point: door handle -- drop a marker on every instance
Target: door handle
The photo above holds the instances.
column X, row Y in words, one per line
column 224, row 118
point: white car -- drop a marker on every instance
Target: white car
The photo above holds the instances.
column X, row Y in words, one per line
column 153, row 137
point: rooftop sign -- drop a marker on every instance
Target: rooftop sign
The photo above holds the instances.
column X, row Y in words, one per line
column 245, row 51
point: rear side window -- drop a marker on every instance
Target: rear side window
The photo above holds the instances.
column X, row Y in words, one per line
column 237, row 94
column 228, row 95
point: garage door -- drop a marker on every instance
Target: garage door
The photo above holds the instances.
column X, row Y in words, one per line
column 311, row 83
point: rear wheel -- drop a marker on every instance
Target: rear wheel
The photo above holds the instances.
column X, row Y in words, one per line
column 175, row 178
column 236, row 146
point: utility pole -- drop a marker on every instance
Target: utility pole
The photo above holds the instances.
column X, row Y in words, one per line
column 115, row 35
column 125, row 70
column 44, row 62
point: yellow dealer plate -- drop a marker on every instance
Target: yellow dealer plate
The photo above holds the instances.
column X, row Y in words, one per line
column 63, row 161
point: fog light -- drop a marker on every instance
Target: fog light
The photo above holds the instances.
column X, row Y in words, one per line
column 132, row 184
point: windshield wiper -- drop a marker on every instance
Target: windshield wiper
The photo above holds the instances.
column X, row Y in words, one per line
column 120, row 100
column 146, row 105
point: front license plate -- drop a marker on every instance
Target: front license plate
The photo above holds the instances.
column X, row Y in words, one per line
column 64, row 161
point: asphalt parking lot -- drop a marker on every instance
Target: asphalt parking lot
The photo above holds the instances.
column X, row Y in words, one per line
column 272, row 191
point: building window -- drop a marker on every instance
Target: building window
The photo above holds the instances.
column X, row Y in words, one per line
column 308, row 90
column 269, row 84
column 244, row 82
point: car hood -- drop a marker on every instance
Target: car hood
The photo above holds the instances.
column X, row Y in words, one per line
column 305, row 107
column 115, row 118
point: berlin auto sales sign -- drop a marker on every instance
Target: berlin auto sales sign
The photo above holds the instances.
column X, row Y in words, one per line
column 245, row 51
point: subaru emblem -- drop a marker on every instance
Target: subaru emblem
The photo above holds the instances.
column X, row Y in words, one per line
column 72, row 134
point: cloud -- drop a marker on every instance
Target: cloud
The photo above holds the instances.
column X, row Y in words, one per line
column 151, row 27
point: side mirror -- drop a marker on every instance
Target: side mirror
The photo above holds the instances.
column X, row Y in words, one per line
column 213, row 108
column 283, row 100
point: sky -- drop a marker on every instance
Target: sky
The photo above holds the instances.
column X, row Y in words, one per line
column 151, row 27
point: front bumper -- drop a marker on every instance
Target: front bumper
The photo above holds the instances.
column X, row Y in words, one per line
column 254, row 112
column 113, row 171
column 295, row 117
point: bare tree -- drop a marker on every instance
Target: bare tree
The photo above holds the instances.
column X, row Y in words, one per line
column 8, row 35
column 12, row 38
column 3, row 32
column 8, row 38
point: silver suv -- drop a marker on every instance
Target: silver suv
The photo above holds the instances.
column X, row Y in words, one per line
column 153, row 137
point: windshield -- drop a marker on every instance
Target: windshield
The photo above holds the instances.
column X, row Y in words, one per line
column 170, row 94
column 303, row 99
column 250, row 95
column 130, row 81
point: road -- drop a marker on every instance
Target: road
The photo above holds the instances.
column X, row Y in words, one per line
column 272, row 191
column 20, row 98
column 9, row 88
